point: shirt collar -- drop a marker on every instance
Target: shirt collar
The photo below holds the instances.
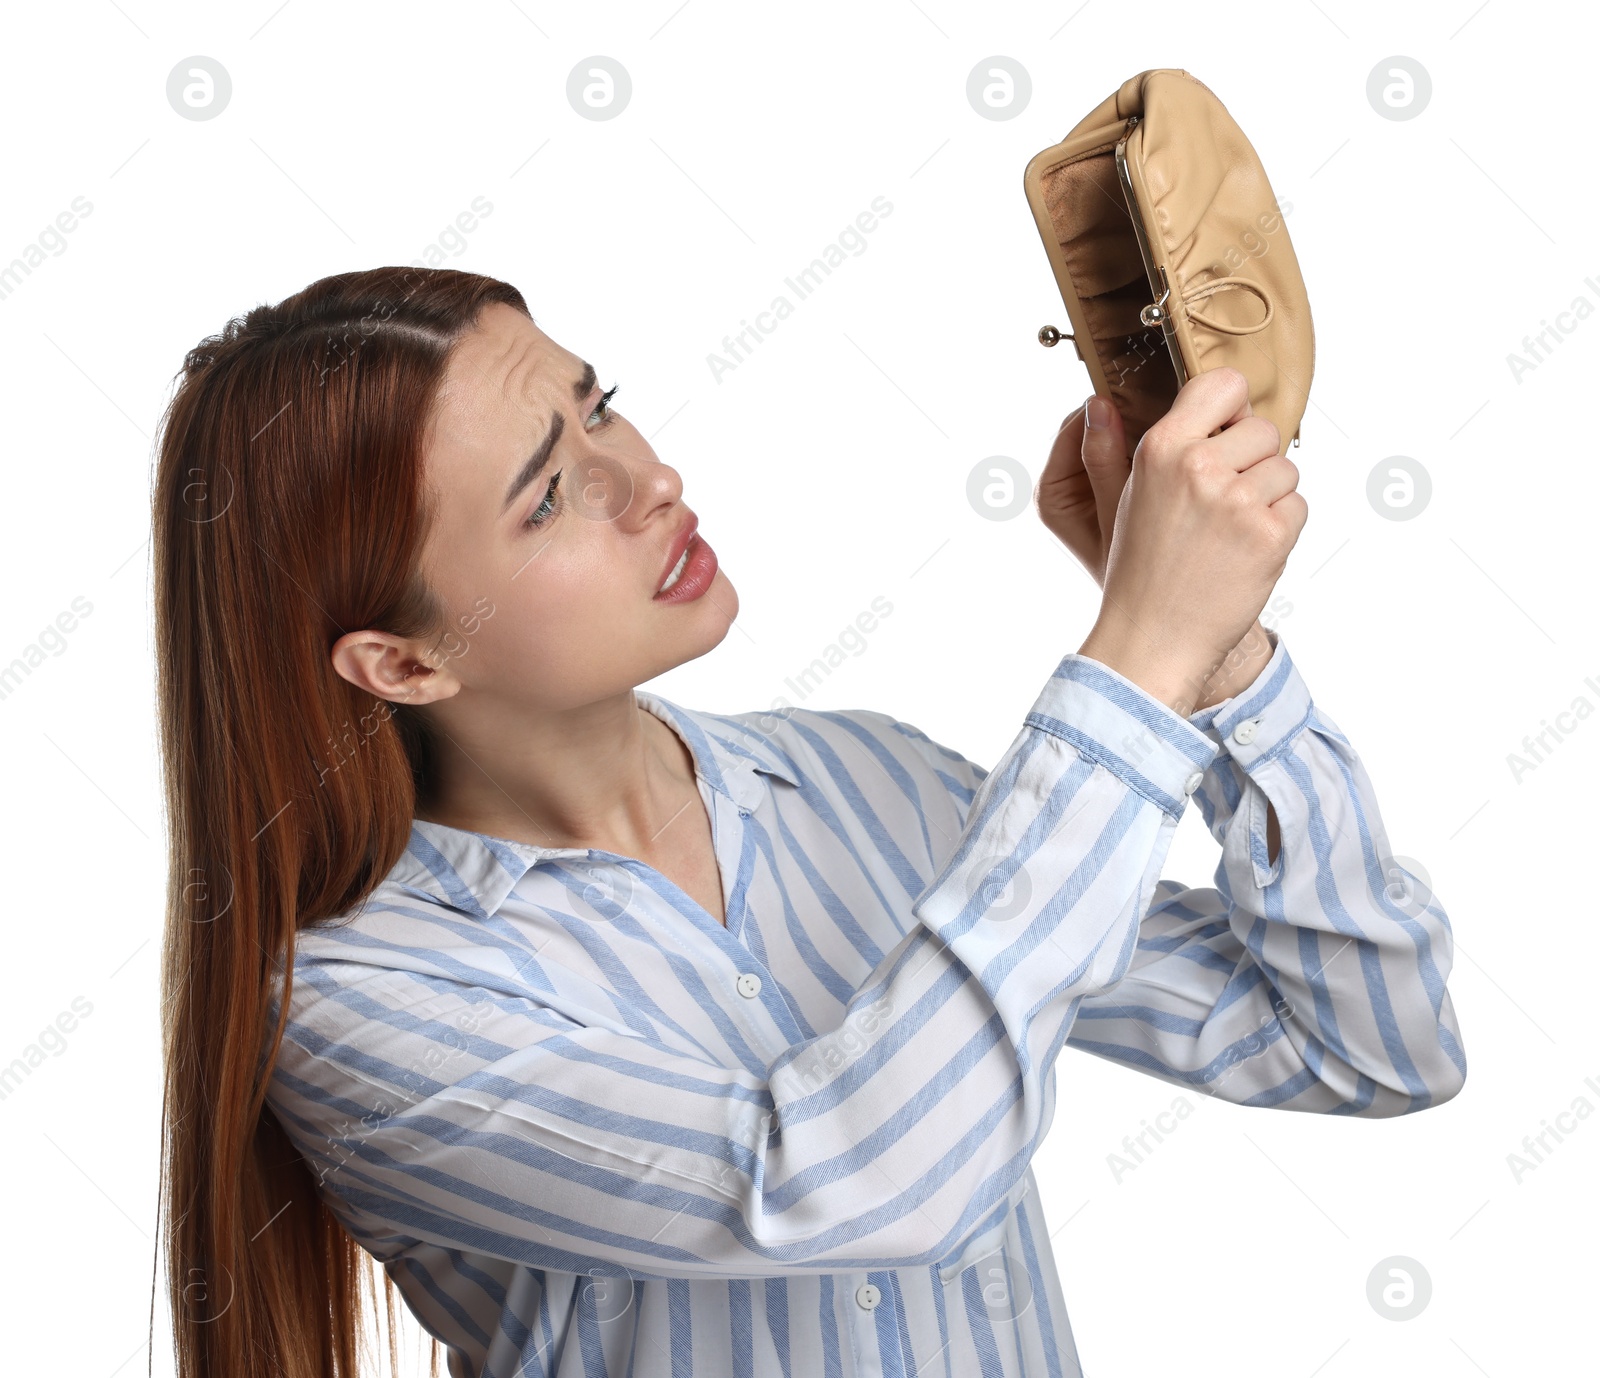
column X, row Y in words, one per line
column 474, row 872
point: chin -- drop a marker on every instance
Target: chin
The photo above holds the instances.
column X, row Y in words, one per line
column 714, row 614
column 719, row 606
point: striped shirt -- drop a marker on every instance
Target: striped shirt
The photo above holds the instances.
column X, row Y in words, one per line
column 589, row 1130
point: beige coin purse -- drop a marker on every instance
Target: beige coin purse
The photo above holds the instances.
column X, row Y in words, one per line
column 1172, row 254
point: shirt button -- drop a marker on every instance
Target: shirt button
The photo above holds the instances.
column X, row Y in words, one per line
column 1245, row 731
column 749, row 985
column 744, row 813
column 1193, row 782
column 868, row 1296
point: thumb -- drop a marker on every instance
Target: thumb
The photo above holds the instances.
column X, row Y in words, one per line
column 1105, row 460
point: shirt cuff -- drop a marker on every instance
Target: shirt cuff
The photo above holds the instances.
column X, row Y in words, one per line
column 1262, row 718
column 1112, row 721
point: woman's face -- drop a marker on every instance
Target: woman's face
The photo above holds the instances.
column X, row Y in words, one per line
column 551, row 595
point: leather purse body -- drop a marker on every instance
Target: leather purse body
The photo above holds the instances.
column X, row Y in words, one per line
column 1172, row 254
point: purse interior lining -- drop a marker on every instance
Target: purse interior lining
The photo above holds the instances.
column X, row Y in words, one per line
column 1089, row 214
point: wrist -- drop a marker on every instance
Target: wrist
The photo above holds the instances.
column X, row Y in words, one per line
column 1238, row 669
column 1167, row 675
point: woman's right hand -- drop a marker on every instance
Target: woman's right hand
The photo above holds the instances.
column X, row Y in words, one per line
column 1203, row 530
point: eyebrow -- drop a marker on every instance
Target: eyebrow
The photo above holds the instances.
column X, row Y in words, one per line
column 541, row 454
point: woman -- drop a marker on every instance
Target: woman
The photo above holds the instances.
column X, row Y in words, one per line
column 635, row 1039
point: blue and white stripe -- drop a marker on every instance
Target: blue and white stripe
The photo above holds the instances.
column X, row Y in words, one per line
column 591, row 1131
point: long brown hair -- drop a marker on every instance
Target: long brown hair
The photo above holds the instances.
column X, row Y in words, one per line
column 289, row 508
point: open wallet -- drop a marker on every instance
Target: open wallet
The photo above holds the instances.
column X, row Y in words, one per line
column 1172, row 254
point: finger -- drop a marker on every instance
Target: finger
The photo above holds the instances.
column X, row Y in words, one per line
column 1064, row 495
column 1065, row 462
column 1246, row 443
column 1272, row 478
column 1208, row 402
column 1105, row 459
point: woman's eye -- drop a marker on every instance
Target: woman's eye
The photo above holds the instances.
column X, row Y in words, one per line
column 546, row 509
column 602, row 408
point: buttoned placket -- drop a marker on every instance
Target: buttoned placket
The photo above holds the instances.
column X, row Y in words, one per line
column 863, row 1296
column 868, row 1300
column 754, row 985
column 866, row 1293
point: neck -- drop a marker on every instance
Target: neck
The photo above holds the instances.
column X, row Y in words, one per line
column 608, row 774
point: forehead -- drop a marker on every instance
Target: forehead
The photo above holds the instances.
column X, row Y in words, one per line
column 504, row 382
column 505, row 373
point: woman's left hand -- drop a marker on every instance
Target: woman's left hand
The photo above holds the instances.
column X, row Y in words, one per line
column 1078, row 494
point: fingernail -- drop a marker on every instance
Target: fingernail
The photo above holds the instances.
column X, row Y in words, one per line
column 1097, row 414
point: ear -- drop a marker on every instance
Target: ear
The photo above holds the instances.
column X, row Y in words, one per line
column 393, row 668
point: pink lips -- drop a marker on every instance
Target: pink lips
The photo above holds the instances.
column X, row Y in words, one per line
column 698, row 572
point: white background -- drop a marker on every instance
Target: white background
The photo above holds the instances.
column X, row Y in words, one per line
column 831, row 468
